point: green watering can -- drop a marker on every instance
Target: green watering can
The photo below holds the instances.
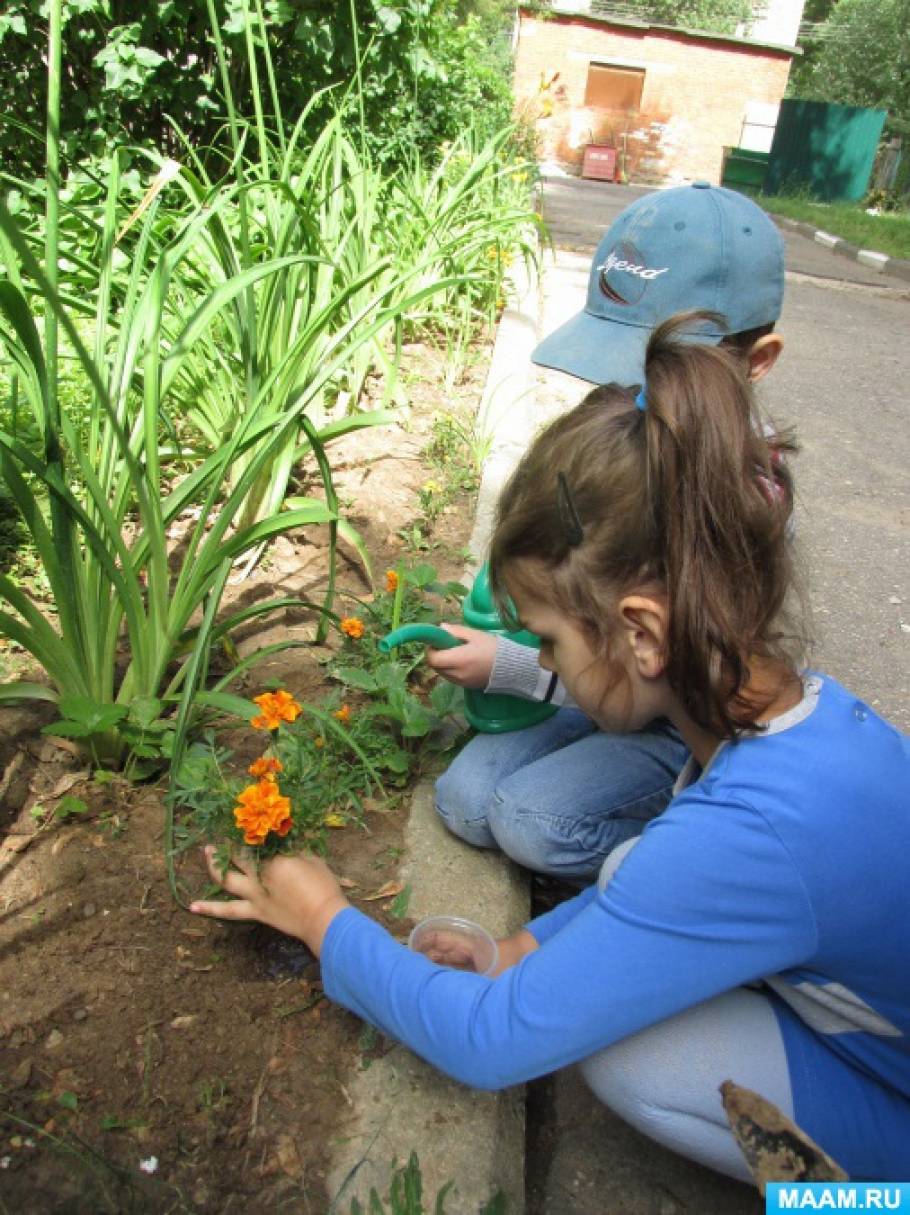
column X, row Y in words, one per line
column 490, row 713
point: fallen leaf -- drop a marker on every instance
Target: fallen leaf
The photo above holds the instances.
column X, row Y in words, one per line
column 388, row 891
column 22, row 1073
column 66, row 782
column 64, row 744
column 347, row 884
column 288, row 1156
column 183, row 1022
column 334, row 820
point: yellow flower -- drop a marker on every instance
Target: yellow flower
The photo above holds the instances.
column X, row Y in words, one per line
column 276, row 707
column 432, row 487
column 261, row 808
column 352, row 627
column 333, row 820
column 391, row 580
column 319, row 743
column 265, row 766
column 343, row 714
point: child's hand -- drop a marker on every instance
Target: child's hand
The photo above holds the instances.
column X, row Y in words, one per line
column 447, row 948
column 512, row 949
column 467, row 665
column 298, row 895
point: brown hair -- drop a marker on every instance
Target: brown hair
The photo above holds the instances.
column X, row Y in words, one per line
column 688, row 495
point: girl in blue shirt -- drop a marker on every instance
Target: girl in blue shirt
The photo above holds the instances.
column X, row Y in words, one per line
column 758, row 930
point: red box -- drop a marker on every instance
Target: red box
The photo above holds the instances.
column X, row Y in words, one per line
column 599, row 162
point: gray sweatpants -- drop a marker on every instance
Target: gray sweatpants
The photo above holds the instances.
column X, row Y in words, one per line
column 664, row 1081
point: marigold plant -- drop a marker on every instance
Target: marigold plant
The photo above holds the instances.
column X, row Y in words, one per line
column 276, row 707
column 353, row 627
column 262, row 808
column 391, row 580
column 266, row 766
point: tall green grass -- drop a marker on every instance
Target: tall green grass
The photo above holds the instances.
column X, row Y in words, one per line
column 220, row 331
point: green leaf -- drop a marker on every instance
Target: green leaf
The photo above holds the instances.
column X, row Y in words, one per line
column 27, row 691
column 145, row 710
column 421, row 576
column 69, row 805
column 96, row 716
column 400, row 904
column 395, row 760
column 234, row 706
column 355, row 677
column 445, row 697
column 68, row 729
column 417, row 721
column 68, row 1100
column 147, row 57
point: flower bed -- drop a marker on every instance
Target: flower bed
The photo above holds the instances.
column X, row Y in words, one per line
column 156, row 1062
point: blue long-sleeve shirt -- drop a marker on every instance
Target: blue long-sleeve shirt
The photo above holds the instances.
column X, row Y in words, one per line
column 788, row 862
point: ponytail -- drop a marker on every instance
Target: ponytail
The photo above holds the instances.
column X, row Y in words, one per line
column 722, row 496
column 677, row 488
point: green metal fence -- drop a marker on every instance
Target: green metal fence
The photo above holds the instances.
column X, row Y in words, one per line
column 824, row 149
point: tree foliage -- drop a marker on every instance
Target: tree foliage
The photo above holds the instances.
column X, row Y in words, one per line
column 131, row 71
column 863, row 58
column 715, row 16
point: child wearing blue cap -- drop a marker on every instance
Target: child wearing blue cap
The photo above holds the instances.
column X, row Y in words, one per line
column 557, row 797
column 644, row 540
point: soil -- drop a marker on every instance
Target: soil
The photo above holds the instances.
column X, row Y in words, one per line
column 151, row 1061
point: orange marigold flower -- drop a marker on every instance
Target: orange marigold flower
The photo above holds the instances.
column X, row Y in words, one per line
column 276, row 707
column 262, row 808
column 343, row 714
column 391, row 580
column 352, row 626
column 265, row 765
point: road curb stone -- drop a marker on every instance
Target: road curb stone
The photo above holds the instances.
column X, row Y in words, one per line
column 400, row 1104
column 898, row 267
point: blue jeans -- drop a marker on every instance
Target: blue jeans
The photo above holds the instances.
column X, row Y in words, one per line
column 559, row 796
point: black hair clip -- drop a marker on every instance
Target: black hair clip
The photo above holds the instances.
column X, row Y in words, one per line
column 568, row 512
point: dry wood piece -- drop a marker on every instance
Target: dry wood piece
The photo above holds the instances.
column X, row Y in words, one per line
column 774, row 1147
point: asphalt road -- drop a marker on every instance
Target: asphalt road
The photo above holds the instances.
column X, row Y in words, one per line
column 579, row 211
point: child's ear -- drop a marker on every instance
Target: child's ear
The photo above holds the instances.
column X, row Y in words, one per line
column 644, row 621
column 763, row 355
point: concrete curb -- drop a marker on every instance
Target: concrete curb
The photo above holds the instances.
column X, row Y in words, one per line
column 399, row 1104
column 899, row 267
column 506, row 414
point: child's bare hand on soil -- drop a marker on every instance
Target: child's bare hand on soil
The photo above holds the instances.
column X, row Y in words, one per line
column 298, row 895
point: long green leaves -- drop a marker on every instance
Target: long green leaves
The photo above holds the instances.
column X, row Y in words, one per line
column 221, row 330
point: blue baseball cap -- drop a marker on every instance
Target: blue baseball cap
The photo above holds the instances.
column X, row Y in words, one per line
column 697, row 246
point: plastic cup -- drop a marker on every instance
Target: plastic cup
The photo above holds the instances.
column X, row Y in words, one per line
column 453, row 941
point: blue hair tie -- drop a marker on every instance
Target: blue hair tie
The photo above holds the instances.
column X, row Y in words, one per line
column 641, row 401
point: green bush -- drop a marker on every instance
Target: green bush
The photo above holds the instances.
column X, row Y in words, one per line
column 137, row 72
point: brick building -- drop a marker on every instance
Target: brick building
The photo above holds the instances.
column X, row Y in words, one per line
column 670, row 100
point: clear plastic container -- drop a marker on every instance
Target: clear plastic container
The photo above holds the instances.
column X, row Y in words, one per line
column 453, row 941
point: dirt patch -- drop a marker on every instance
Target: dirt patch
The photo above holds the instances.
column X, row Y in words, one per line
column 153, row 1061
